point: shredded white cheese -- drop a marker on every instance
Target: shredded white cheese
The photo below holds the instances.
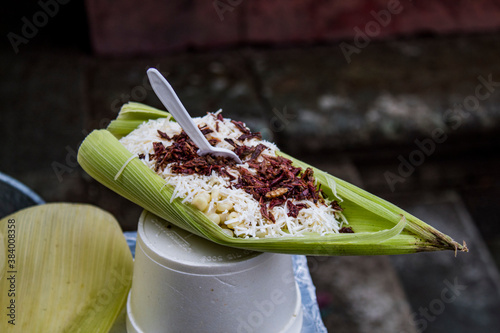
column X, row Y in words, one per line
column 233, row 209
column 123, row 166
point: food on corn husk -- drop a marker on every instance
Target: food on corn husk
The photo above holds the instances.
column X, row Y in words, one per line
column 379, row 226
column 265, row 196
column 64, row 268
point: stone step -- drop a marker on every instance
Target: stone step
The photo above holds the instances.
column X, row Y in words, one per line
column 357, row 294
column 394, row 93
column 360, row 295
column 448, row 293
column 420, row 281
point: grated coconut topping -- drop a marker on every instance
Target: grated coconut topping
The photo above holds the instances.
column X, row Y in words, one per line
column 236, row 211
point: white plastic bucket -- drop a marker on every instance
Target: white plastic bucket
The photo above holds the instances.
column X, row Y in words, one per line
column 184, row 283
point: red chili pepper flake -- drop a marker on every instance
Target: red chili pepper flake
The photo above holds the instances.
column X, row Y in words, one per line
column 163, row 135
column 293, row 210
column 276, row 202
column 224, row 172
column 265, row 213
column 230, row 141
column 205, row 130
column 243, row 151
column 335, row 205
column 258, row 149
column 346, row 230
column 278, row 179
column 241, row 126
column 255, row 135
column 219, row 117
column 159, row 148
column 142, row 156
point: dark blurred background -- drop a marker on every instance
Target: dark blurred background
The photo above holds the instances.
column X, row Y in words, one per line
column 399, row 97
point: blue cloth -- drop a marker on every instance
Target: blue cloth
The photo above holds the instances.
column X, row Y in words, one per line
column 312, row 319
column 15, row 196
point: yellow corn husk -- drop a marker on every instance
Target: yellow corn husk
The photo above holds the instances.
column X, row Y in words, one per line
column 380, row 227
column 69, row 269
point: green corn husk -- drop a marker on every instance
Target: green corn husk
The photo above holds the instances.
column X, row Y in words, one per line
column 63, row 268
column 380, row 227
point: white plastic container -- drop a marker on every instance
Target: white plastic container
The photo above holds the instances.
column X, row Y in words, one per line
column 184, row 283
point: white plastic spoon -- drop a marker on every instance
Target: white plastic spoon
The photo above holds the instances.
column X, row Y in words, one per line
column 169, row 98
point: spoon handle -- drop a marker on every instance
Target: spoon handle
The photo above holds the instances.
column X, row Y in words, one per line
column 169, row 98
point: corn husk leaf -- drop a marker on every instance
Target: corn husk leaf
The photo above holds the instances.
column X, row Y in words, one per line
column 72, row 269
column 380, row 227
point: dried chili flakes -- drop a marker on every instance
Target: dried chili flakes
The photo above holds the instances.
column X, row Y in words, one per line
column 241, row 126
column 163, row 135
column 346, row 230
column 273, row 180
column 335, row 205
column 183, row 158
